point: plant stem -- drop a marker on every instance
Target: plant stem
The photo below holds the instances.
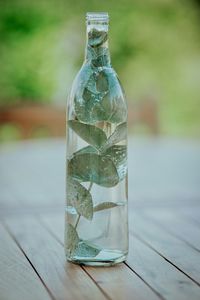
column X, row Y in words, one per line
column 90, row 186
column 77, row 221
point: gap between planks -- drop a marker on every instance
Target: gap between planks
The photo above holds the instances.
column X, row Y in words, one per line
column 47, row 257
column 18, row 279
column 177, row 225
column 172, row 249
column 62, row 278
column 161, row 276
column 94, row 273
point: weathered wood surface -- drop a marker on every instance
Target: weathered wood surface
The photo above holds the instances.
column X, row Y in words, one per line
column 164, row 221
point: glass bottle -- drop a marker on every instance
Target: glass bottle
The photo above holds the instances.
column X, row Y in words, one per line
column 96, row 227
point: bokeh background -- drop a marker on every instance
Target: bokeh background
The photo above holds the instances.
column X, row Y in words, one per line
column 154, row 48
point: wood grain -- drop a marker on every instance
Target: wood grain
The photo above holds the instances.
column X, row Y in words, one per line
column 171, row 248
column 31, row 162
column 175, row 223
column 65, row 281
column 119, row 282
column 161, row 275
column 193, row 214
column 164, row 193
column 150, row 266
column 18, row 280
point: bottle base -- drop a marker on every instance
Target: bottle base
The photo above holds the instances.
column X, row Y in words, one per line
column 106, row 258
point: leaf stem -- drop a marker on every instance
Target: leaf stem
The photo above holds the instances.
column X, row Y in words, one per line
column 90, row 186
column 77, row 221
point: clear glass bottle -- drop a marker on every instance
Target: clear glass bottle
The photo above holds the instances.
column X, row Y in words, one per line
column 96, row 228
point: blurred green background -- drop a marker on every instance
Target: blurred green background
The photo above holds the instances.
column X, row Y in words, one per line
column 154, row 48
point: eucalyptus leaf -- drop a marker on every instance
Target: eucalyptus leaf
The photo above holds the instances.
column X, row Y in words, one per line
column 118, row 154
column 104, row 205
column 95, row 52
column 98, row 56
column 90, row 107
column 97, row 37
column 117, row 136
column 102, row 82
column 99, row 96
column 94, row 168
column 119, row 111
column 91, row 53
column 87, row 149
column 72, row 238
column 91, row 87
column 85, row 74
column 84, row 249
column 80, row 198
column 100, row 61
column 116, row 97
column 91, row 134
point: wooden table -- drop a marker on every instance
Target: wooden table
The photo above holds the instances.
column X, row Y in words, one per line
column 164, row 206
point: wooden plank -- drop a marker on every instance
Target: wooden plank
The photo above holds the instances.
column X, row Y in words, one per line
column 177, row 225
column 154, row 269
column 152, row 183
column 161, row 275
column 17, row 211
column 18, row 279
column 118, row 282
column 31, row 170
column 191, row 213
column 173, row 249
column 164, row 170
column 8, row 199
column 65, row 281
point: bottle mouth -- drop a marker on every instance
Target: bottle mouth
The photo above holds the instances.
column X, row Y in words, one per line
column 101, row 18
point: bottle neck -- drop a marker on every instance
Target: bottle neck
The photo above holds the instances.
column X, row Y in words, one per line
column 97, row 51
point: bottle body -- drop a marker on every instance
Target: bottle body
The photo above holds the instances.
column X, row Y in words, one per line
column 96, row 230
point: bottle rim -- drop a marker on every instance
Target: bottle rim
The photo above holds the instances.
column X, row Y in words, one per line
column 97, row 17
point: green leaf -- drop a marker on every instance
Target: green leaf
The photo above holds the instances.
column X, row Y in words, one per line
column 80, row 198
column 93, row 106
column 102, row 82
column 71, row 238
column 117, row 136
column 119, row 111
column 85, row 76
column 99, row 96
column 98, row 56
column 116, row 97
column 104, row 205
column 95, row 52
column 101, row 60
column 91, row 87
column 96, row 37
column 91, row 134
column 84, row 249
column 87, row 149
column 78, row 247
column 88, row 101
column 118, row 154
column 93, row 167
